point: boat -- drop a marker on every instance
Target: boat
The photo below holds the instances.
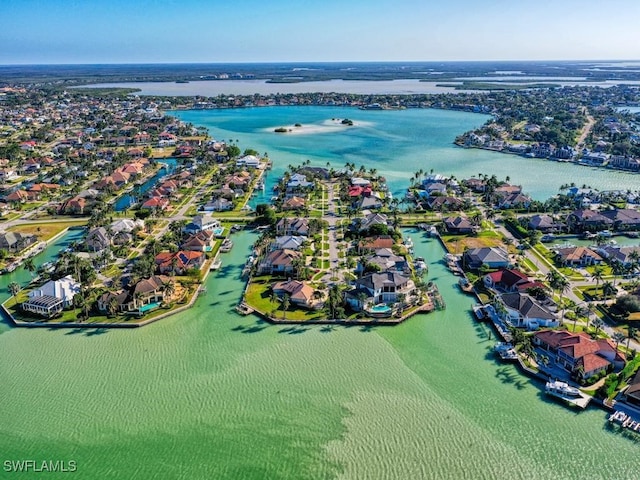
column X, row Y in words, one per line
column 505, row 351
column 480, row 312
column 226, row 246
column 548, row 238
column 236, row 227
column 420, row 265
column 561, row 389
column 216, row 265
column 408, row 243
column 244, row 309
column 465, row 285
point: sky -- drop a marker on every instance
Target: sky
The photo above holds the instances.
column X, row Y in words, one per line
column 222, row 31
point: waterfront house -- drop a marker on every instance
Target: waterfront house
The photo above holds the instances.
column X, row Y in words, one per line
column 97, row 240
column 292, row 226
column 588, row 220
column 248, row 161
column 493, row 257
column 445, row 203
column 126, row 225
column 376, row 288
column 459, row 225
column 544, row 223
column 577, row 256
column 156, row 204
column 623, row 218
column 579, row 354
column 202, row 241
column 298, row 183
column 385, row 260
column 140, row 297
column 509, row 280
column 218, row 205
column 52, row 297
column 632, row 393
column 179, row 262
column 201, row 223
column 279, row 261
column 522, row 310
column 294, row 203
column 371, row 202
column 291, row 242
column 16, row 242
column 300, row 293
column 370, row 220
column 370, row 244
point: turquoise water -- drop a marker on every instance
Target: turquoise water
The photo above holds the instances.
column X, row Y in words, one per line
column 381, row 308
column 397, row 143
column 211, row 394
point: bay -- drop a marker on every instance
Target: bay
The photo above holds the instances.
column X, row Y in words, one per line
column 210, row 394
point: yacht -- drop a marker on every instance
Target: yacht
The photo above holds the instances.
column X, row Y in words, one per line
column 561, row 389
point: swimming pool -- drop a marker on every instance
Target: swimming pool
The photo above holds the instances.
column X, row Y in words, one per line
column 381, row 308
column 218, row 231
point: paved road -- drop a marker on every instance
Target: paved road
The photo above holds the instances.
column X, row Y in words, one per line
column 544, row 268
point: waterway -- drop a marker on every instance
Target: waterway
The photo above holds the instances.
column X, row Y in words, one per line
column 129, row 199
column 395, row 142
column 210, row 394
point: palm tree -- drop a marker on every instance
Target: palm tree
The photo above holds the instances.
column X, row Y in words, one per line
column 562, row 285
column 112, row 306
column 286, row 302
column 608, row 289
column 618, row 337
column 598, row 275
column 618, row 269
column 169, row 289
column 29, row 266
column 14, row 288
column 597, row 324
column 79, row 301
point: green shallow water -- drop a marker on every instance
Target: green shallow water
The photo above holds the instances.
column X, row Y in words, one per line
column 210, row 394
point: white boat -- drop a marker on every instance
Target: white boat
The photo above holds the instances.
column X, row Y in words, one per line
column 502, row 347
column 226, row 246
column 420, row 264
column 216, row 265
column 408, row 243
column 561, row 389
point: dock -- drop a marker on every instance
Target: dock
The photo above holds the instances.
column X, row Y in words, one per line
column 580, row 401
column 625, row 421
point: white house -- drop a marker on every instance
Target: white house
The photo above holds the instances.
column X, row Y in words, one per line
column 52, row 297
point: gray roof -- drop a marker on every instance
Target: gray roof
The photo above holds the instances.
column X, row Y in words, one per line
column 526, row 305
column 376, row 281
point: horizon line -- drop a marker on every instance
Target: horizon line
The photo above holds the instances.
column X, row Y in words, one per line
column 309, row 62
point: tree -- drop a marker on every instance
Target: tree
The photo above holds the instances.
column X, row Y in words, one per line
column 597, row 324
column 618, row 337
column 29, row 266
column 618, row 269
column 598, row 275
column 14, row 288
column 608, row 289
column 286, row 302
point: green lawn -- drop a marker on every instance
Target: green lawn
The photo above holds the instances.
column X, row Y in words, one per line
column 258, row 296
